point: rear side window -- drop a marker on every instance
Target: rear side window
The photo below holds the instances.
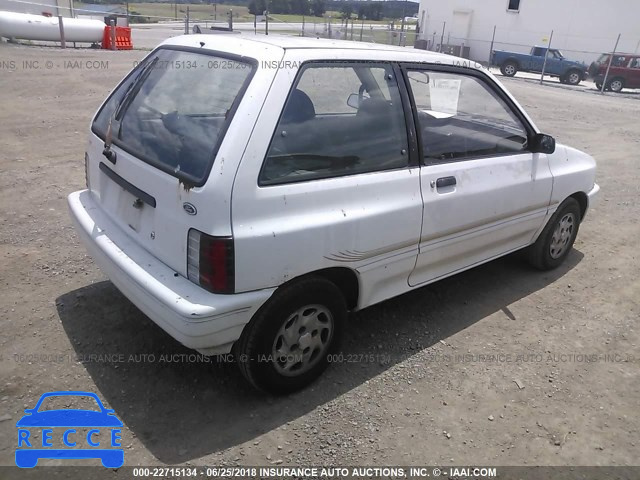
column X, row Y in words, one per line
column 339, row 119
column 173, row 111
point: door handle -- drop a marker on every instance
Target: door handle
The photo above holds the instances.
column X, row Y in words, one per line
column 445, row 182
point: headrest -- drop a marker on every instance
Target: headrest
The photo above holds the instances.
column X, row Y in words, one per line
column 299, row 108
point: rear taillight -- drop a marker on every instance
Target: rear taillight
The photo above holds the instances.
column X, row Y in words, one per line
column 86, row 170
column 210, row 262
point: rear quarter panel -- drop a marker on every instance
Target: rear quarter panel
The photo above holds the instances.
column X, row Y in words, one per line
column 368, row 223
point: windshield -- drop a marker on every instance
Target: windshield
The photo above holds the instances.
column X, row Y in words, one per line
column 173, row 110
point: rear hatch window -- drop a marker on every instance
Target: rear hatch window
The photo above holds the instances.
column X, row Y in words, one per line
column 172, row 111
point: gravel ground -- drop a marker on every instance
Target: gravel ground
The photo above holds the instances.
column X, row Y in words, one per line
column 501, row 365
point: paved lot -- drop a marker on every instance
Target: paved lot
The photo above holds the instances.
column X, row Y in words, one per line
column 500, row 365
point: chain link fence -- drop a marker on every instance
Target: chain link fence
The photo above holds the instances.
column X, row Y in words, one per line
column 611, row 61
column 494, row 43
column 582, row 49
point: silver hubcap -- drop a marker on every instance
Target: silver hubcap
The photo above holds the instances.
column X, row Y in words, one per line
column 303, row 340
column 617, row 85
column 509, row 70
column 573, row 78
column 561, row 235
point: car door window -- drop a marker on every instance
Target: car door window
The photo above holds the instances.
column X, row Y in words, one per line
column 461, row 117
column 557, row 55
column 618, row 61
column 339, row 119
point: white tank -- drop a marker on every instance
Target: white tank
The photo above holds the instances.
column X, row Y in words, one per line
column 38, row 27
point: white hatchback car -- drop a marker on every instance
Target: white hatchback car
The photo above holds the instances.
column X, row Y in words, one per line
column 246, row 193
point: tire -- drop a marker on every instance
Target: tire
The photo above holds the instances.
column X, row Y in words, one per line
column 616, row 85
column 557, row 237
column 265, row 357
column 599, row 86
column 509, row 68
column 573, row 77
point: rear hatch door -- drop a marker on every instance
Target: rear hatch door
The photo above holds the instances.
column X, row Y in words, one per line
column 154, row 142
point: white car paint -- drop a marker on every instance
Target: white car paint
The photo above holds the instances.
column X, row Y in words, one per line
column 390, row 229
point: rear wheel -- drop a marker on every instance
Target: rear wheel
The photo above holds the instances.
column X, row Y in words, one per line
column 287, row 344
column 556, row 240
column 599, row 86
column 616, row 85
column 509, row 69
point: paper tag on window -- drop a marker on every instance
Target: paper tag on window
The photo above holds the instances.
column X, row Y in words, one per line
column 444, row 95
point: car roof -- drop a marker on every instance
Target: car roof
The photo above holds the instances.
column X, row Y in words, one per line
column 263, row 46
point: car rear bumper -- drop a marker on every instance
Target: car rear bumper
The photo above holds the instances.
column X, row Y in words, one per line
column 204, row 321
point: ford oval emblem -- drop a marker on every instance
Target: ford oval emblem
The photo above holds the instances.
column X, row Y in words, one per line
column 189, row 208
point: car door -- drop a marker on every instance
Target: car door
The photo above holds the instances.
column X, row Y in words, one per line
column 329, row 181
column 618, row 67
column 633, row 75
column 484, row 192
column 556, row 63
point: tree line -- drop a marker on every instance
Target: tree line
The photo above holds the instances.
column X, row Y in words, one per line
column 363, row 10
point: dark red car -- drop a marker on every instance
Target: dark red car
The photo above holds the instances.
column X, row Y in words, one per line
column 624, row 71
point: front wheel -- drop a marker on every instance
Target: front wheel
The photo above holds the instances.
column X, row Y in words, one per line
column 556, row 240
column 287, row 344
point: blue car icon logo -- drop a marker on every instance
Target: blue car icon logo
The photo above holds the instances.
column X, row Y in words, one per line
column 62, row 433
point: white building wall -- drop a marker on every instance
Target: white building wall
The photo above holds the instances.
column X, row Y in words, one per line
column 582, row 29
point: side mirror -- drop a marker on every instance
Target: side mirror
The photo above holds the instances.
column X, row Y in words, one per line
column 542, row 143
column 354, row 100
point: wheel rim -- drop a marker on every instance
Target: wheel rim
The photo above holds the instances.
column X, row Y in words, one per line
column 509, row 70
column 302, row 341
column 574, row 78
column 562, row 235
column 616, row 85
